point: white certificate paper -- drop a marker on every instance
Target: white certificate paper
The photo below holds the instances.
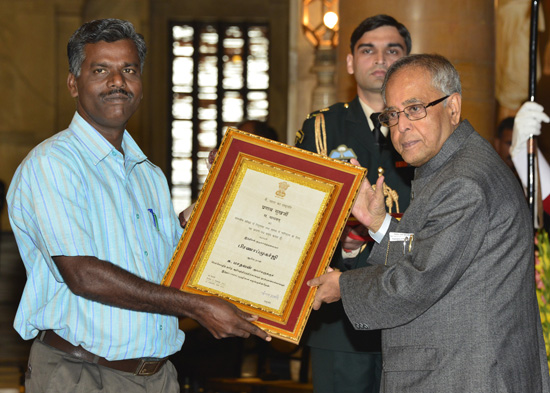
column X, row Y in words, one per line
column 260, row 243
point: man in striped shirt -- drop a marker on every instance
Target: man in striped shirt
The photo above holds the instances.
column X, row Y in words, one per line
column 96, row 230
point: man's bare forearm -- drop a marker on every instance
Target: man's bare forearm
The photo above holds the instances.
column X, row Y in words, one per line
column 104, row 282
column 107, row 283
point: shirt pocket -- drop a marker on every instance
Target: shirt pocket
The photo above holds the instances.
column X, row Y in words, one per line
column 158, row 234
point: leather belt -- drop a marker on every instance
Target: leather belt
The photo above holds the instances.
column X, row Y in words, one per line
column 143, row 366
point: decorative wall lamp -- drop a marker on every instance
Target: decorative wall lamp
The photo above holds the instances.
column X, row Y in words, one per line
column 320, row 26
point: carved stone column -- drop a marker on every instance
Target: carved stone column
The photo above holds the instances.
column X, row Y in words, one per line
column 324, row 93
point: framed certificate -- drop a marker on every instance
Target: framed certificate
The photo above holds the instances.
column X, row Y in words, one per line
column 267, row 220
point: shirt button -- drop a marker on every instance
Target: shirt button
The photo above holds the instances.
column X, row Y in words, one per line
column 146, row 253
column 160, row 327
column 113, row 153
column 137, row 216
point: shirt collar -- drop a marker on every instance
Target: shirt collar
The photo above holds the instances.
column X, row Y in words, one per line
column 99, row 147
column 454, row 142
column 369, row 111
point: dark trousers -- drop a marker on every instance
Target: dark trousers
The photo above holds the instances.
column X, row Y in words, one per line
column 345, row 372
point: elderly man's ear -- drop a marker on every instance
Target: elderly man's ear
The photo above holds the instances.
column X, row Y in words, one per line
column 454, row 106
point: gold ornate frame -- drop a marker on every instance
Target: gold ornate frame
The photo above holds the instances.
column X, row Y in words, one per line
column 268, row 219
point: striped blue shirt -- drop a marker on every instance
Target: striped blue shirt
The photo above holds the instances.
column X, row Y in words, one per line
column 76, row 195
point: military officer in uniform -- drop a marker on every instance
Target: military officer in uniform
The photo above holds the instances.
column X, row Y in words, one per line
column 343, row 359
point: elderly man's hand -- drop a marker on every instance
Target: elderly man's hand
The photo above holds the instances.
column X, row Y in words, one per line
column 328, row 290
column 369, row 207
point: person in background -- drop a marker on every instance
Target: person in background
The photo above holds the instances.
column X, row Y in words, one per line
column 96, row 230
column 503, row 141
column 260, row 128
column 452, row 283
column 345, row 360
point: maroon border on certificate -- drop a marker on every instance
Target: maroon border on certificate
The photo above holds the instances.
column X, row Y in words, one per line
column 237, row 144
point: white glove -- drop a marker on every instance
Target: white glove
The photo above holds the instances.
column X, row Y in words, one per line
column 527, row 122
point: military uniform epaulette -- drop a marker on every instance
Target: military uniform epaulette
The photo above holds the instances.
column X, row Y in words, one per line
column 316, row 113
column 334, row 106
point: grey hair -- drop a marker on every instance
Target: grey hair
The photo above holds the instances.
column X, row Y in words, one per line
column 445, row 77
column 108, row 30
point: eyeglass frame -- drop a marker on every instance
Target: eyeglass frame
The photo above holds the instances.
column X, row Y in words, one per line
column 386, row 124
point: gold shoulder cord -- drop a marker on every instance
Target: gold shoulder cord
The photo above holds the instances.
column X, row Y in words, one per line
column 387, row 253
column 320, row 134
column 392, row 197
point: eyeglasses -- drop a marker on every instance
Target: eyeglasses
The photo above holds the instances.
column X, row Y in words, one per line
column 413, row 112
